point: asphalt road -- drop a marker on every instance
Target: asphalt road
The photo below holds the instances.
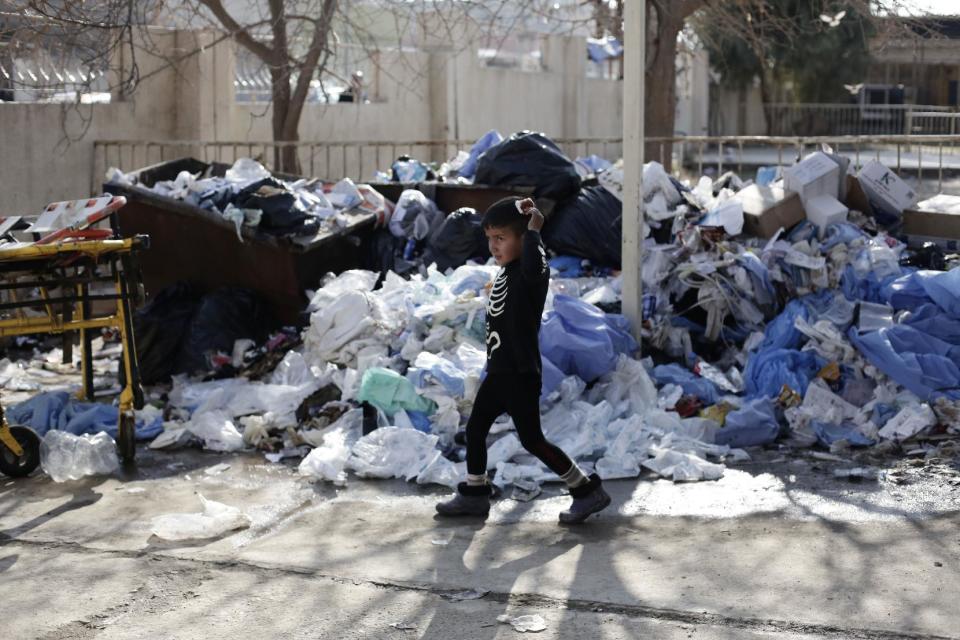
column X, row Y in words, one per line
column 777, row 548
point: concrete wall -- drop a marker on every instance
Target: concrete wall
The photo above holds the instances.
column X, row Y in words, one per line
column 49, row 147
column 736, row 112
column 693, row 91
column 435, row 95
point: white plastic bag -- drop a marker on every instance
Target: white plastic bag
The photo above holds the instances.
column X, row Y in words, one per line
column 910, row 421
column 217, row 431
column 353, row 316
column 631, row 382
column 335, row 286
column 443, row 472
column 215, row 519
column 523, row 624
column 327, row 461
column 64, row 456
column 246, row 171
column 683, row 467
column 293, row 371
column 390, row 452
column 345, row 195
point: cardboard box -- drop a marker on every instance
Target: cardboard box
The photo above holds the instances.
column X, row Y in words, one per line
column 767, row 209
column 824, row 211
column 942, row 229
column 888, row 194
column 816, row 175
column 857, row 199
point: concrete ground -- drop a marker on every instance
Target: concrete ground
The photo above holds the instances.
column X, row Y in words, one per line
column 776, row 548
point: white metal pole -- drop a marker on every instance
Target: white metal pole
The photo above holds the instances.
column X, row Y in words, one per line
column 634, row 59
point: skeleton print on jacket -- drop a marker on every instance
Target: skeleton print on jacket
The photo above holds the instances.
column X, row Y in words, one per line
column 514, row 310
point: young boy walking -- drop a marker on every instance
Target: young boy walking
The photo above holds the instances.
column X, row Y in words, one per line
column 513, row 381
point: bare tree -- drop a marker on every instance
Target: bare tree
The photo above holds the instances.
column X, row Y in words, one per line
column 294, row 40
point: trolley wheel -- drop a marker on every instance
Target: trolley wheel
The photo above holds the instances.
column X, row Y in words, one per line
column 126, row 442
column 20, row 466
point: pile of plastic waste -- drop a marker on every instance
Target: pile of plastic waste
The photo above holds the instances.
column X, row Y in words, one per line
column 833, row 335
column 826, row 332
column 412, row 350
column 249, row 196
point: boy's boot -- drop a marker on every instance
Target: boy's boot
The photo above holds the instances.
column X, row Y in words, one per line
column 470, row 500
column 587, row 500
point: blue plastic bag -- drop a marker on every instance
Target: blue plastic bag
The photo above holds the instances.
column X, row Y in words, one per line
column 919, row 287
column 780, row 332
column 753, row 424
column 489, row 139
column 760, row 276
column 444, row 372
column 828, row 433
column 930, row 319
column 768, row 370
column 582, row 340
column 552, row 377
column 925, row 365
column 869, row 288
column 691, row 383
column 473, row 279
column 410, row 170
column 567, row 266
column 57, row 410
column 840, row 233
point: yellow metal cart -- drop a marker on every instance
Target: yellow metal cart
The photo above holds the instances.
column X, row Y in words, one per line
column 76, row 280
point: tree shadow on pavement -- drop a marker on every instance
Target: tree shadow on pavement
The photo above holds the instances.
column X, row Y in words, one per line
column 483, row 557
column 82, row 496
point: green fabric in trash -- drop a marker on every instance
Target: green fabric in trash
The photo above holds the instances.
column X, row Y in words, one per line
column 390, row 392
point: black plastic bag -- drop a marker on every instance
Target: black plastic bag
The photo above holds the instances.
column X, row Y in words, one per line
column 588, row 227
column 531, row 160
column 279, row 206
column 458, row 239
column 159, row 328
column 223, row 317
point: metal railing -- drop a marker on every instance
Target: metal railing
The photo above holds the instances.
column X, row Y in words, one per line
column 934, row 123
column 787, row 119
column 931, row 162
column 359, row 160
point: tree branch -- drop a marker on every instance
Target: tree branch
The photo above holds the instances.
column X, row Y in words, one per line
column 318, row 44
column 240, row 33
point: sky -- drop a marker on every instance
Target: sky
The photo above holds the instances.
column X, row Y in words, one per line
column 939, row 7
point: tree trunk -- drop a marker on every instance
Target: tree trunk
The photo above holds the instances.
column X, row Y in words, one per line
column 285, row 157
column 766, row 96
column 663, row 27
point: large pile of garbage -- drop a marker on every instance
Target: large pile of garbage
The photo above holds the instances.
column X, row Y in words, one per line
column 788, row 312
column 250, row 196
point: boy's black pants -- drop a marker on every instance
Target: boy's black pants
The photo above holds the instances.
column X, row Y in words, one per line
column 518, row 395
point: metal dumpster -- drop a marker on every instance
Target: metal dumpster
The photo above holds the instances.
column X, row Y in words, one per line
column 199, row 246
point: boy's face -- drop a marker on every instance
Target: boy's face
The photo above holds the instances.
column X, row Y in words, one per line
column 505, row 244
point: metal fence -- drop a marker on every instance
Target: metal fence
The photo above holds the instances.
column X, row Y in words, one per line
column 934, row 123
column 788, row 119
column 359, row 160
column 930, row 162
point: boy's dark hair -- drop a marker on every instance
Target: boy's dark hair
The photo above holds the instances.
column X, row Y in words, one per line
column 503, row 214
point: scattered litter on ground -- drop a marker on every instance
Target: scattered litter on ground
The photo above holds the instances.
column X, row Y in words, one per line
column 469, row 594
column 790, row 314
column 64, row 456
column 524, row 624
column 216, row 519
